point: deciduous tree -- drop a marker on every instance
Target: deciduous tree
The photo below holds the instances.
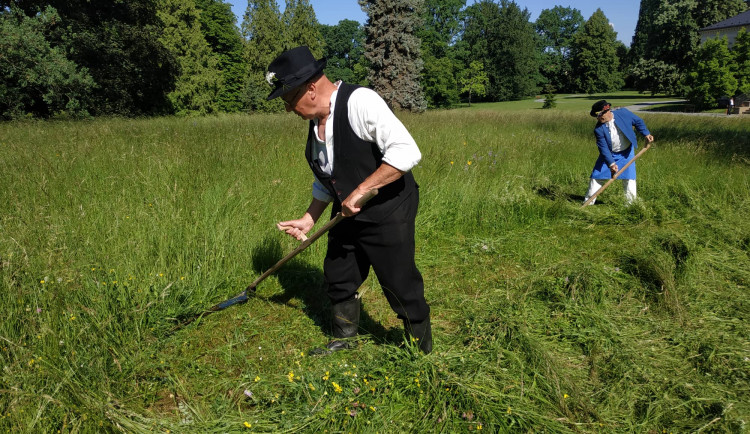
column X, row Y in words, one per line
column 441, row 21
column 35, row 77
column 474, row 80
column 741, row 58
column 478, row 34
column 666, row 36
column 556, row 28
column 118, row 43
column 344, row 45
column 711, row 76
column 513, row 53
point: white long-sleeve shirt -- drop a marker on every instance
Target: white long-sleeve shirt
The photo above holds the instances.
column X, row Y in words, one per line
column 619, row 141
column 372, row 121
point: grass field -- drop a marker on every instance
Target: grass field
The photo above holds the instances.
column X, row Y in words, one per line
column 546, row 317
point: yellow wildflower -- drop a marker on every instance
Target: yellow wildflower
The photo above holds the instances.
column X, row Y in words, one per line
column 336, row 387
column 247, row 425
column 257, row 378
column 311, row 386
column 290, row 376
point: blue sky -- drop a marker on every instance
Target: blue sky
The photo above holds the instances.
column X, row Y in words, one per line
column 623, row 14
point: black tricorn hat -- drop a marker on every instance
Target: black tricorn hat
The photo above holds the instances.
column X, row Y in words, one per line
column 291, row 69
column 598, row 107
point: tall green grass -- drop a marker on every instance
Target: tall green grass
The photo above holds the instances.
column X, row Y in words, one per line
column 547, row 317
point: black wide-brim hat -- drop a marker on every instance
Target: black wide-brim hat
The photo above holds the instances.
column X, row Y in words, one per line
column 598, row 107
column 291, row 69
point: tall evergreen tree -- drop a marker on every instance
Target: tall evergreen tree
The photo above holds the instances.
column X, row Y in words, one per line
column 393, row 51
column 594, row 53
column 118, row 43
column 556, row 28
column 218, row 23
column 263, row 30
column 199, row 81
column 302, row 27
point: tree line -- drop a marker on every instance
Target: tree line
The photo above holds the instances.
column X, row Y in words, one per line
column 79, row 58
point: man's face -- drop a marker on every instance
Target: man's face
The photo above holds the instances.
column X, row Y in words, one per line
column 296, row 101
column 605, row 116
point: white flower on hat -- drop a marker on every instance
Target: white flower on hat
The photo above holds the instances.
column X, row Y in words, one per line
column 270, row 77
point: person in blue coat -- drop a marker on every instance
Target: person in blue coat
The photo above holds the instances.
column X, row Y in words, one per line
column 616, row 141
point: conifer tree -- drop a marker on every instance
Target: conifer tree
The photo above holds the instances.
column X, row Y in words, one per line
column 595, row 61
column 393, row 51
column 219, row 26
column 302, row 27
column 263, row 30
column 199, row 81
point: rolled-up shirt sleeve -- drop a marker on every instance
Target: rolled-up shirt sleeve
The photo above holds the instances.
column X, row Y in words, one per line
column 373, row 121
column 320, row 192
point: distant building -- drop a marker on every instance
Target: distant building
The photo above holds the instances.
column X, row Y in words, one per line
column 729, row 28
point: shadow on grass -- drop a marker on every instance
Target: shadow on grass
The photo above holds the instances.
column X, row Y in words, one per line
column 594, row 98
column 305, row 282
column 725, row 144
column 555, row 192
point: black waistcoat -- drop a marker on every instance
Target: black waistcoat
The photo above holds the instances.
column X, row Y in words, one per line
column 354, row 160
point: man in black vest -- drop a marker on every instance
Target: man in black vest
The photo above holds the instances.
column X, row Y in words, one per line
column 356, row 144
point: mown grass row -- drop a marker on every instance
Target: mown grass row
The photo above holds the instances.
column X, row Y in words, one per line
column 546, row 317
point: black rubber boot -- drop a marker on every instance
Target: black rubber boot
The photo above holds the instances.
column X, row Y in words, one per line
column 345, row 325
column 420, row 334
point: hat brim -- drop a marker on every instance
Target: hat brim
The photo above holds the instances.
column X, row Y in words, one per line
column 594, row 108
column 283, row 88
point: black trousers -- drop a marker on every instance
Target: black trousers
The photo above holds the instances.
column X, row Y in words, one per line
column 387, row 246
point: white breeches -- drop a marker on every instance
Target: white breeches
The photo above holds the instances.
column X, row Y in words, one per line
column 628, row 186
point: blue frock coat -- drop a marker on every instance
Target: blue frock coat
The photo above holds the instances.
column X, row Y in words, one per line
column 625, row 120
